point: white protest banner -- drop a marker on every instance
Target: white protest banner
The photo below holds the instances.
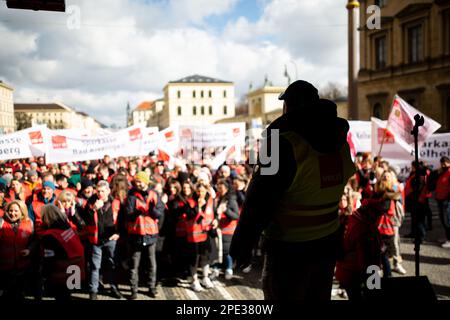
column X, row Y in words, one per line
column 38, row 136
column 149, row 140
column 15, row 145
column 401, row 122
column 222, row 157
column 361, row 135
column 430, row 152
column 212, row 135
column 434, row 148
column 69, row 148
column 168, row 140
column 392, row 148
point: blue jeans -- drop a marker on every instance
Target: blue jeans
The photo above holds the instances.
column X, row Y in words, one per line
column 95, row 262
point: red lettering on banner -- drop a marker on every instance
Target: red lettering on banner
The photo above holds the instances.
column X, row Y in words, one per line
column 331, row 172
column 386, row 135
column 59, row 142
column 135, row 134
column 36, row 137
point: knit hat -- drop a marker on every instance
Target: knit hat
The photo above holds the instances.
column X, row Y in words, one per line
column 142, row 176
column 31, row 173
column 8, row 177
column 49, row 184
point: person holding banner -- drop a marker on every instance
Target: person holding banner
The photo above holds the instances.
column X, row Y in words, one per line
column 143, row 209
column 442, row 196
column 297, row 205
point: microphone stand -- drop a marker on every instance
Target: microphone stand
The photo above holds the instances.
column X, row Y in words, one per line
column 419, row 121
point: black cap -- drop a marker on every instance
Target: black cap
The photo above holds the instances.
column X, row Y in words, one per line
column 86, row 183
column 300, row 91
column 160, row 163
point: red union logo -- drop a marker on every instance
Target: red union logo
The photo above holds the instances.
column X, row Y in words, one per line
column 169, row 136
column 186, row 133
column 236, row 132
column 135, row 134
column 36, row 137
column 385, row 135
column 59, row 142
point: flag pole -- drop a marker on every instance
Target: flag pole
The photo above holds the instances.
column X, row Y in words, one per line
column 385, row 130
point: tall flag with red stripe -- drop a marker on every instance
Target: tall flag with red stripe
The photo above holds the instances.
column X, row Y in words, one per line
column 401, row 122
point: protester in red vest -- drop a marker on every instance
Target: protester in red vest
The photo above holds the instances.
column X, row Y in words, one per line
column 39, row 200
column 200, row 221
column 16, row 191
column 361, row 248
column 144, row 208
column 227, row 211
column 16, row 242
column 442, row 196
column 101, row 228
column 63, row 253
column 386, row 223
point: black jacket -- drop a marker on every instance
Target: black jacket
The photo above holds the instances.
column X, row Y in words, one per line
column 105, row 222
column 324, row 133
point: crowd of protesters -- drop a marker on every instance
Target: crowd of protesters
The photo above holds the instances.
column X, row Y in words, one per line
column 127, row 217
column 375, row 202
column 137, row 217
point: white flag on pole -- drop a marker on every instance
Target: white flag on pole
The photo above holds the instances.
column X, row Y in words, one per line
column 401, row 122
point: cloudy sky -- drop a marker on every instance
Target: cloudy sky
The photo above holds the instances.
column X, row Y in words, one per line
column 127, row 50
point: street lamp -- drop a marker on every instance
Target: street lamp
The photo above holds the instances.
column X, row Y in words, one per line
column 295, row 65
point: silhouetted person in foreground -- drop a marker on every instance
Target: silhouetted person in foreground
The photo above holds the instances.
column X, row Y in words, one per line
column 297, row 207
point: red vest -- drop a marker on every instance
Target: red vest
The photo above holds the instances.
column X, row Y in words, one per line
column 12, row 243
column 228, row 225
column 71, row 244
column 443, row 186
column 385, row 222
column 198, row 232
column 144, row 224
column 180, row 229
column 92, row 230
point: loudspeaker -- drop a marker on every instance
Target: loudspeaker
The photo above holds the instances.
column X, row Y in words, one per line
column 403, row 288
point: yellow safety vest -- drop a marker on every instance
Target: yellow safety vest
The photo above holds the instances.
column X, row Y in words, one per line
column 308, row 209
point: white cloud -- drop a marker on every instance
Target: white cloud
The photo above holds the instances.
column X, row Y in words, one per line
column 127, row 50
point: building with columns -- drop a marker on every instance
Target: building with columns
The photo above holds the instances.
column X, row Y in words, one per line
column 409, row 56
column 6, row 108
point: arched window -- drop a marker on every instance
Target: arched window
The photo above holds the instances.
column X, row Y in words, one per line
column 202, row 110
column 210, row 110
column 194, row 110
column 179, row 110
column 225, row 110
column 377, row 110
